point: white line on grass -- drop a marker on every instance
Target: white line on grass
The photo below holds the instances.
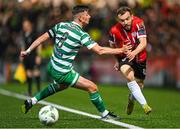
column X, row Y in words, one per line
column 19, row 96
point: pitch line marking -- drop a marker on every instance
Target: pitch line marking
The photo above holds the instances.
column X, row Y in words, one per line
column 19, row 96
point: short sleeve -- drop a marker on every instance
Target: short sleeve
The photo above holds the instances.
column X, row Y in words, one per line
column 141, row 30
column 87, row 41
column 53, row 30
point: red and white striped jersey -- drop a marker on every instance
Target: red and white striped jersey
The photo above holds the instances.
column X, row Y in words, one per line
column 120, row 36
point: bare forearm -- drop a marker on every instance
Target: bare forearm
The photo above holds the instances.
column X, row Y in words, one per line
column 111, row 51
column 141, row 46
column 38, row 41
column 114, row 46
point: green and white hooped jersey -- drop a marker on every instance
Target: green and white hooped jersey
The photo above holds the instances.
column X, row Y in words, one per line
column 68, row 38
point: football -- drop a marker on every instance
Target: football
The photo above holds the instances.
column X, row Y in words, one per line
column 48, row 115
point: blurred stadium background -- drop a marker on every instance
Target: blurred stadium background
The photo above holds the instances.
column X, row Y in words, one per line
column 161, row 19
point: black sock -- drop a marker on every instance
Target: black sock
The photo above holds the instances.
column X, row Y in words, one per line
column 29, row 81
column 38, row 83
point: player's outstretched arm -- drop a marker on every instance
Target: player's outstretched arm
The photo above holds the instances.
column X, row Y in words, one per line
column 35, row 44
column 112, row 51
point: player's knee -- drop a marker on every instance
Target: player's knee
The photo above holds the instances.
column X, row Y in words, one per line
column 129, row 75
column 130, row 78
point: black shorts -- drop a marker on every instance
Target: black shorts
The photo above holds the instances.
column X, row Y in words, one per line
column 138, row 67
column 29, row 62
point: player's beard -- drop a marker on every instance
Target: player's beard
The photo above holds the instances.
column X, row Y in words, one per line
column 127, row 27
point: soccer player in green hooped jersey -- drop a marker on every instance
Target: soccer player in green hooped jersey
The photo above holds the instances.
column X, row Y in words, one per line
column 68, row 38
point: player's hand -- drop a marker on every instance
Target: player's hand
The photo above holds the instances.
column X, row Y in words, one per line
column 23, row 54
column 130, row 55
column 127, row 47
column 116, row 66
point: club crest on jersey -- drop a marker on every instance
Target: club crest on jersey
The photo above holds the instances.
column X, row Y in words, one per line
column 58, row 41
column 133, row 34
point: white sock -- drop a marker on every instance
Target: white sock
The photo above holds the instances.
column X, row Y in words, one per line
column 34, row 100
column 136, row 91
column 103, row 114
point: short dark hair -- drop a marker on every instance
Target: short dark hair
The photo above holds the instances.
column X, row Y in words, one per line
column 79, row 8
column 123, row 9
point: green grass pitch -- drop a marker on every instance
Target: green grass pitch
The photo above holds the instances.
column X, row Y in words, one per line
column 165, row 104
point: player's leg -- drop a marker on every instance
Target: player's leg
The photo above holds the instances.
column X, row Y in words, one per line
column 29, row 74
column 61, row 82
column 37, row 72
column 95, row 97
column 140, row 82
column 131, row 98
column 29, row 64
column 146, row 107
column 140, row 74
column 52, row 88
column 37, row 77
column 134, row 88
column 127, row 72
column 49, row 90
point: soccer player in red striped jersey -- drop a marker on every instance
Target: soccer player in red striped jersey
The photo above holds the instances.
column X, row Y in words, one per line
column 131, row 30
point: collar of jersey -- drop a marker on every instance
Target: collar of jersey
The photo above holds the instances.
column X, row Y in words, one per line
column 76, row 24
